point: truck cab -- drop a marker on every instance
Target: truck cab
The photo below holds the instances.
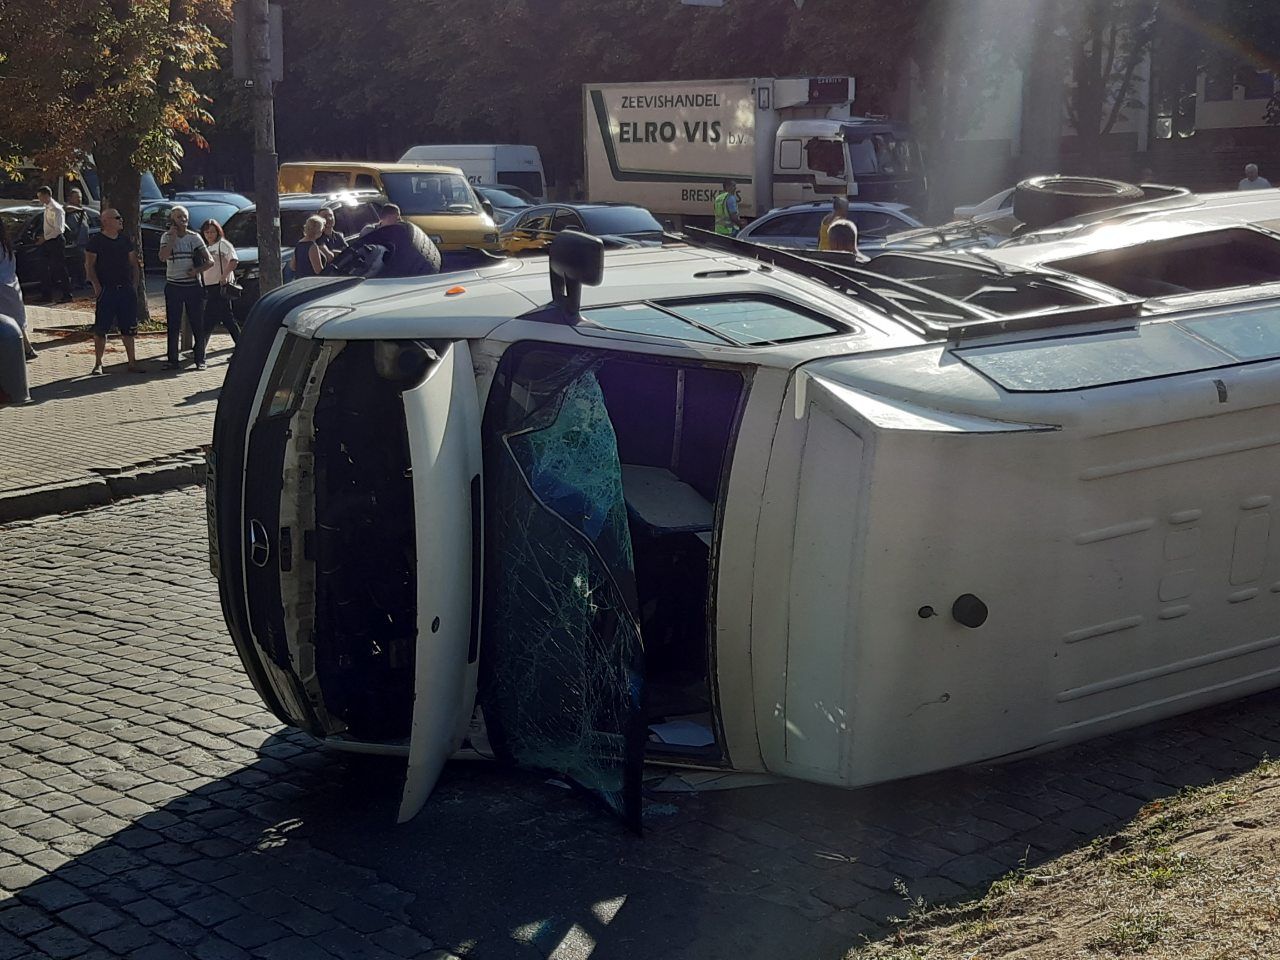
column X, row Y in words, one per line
column 865, row 158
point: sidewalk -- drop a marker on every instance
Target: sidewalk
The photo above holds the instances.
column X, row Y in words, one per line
column 89, row 440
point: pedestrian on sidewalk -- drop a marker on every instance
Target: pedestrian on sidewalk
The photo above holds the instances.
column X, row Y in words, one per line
column 1251, row 179
column 219, row 280
column 185, row 258
column 11, row 304
column 309, row 257
column 111, row 264
column 78, row 227
column 52, row 247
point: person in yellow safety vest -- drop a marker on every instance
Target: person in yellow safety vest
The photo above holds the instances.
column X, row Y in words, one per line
column 839, row 211
column 726, row 207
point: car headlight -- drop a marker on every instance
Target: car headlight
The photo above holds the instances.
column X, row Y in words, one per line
column 306, row 322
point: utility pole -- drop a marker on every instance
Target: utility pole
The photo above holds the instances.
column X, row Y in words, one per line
column 265, row 162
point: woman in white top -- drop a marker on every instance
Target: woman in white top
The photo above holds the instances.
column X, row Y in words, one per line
column 11, row 304
column 219, row 279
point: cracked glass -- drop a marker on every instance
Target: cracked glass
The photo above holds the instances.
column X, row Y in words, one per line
column 563, row 658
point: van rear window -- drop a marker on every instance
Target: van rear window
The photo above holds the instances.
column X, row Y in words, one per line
column 1151, row 350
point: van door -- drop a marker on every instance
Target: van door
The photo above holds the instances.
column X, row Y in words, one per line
column 442, row 417
column 562, row 676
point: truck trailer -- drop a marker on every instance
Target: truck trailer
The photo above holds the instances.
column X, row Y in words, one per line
column 668, row 146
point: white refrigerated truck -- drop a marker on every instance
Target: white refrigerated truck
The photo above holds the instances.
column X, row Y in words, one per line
column 668, row 146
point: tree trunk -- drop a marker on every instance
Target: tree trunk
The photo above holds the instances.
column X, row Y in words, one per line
column 122, row 190
column 1090, row 86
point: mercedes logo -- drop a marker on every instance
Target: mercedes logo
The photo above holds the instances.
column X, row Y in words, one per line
column 259, row 544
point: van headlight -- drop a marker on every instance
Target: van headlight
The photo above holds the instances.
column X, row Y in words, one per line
column 305, row 323
column 490, row 238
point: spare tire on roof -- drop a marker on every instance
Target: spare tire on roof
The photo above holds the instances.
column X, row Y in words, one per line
column 1040, row 201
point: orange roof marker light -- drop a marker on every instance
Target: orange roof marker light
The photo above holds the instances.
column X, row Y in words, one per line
column 454, row 291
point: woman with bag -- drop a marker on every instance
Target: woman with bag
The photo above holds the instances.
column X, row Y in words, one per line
column 220, row 287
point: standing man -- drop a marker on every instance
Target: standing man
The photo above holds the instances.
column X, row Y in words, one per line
column 111, row 264
column 330, row 239
column 1251, row 179
column 185, row 257
column 725, row 206
column 839, row 211
column 52, row 248
column 78, row 223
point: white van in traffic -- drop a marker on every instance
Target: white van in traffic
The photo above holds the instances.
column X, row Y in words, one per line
column 517, row 165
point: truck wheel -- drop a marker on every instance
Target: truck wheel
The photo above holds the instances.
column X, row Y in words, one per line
column 1040, row 201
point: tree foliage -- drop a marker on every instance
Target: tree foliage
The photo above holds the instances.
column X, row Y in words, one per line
column 107, row 77
column 76, row 75
column 512, row 70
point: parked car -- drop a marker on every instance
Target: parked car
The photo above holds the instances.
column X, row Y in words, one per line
column 155, row 223
column 618, row 224
column 796, row 227
column 506, row 201
column 841, row 524
column 1001, row 202
column 237, row 200
column 351, row 212
column 22, row 225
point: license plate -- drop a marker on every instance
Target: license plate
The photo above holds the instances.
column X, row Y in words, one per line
column 211, row 512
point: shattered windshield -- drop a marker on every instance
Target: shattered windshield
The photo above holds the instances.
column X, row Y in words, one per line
column 563, row 676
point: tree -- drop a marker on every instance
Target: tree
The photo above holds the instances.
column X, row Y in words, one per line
column 107, row 77
column 1109, row 43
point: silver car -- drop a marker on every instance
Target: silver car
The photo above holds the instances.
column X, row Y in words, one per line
column 797, row 227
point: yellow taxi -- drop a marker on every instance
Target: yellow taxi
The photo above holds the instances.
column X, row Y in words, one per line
column 436, row 198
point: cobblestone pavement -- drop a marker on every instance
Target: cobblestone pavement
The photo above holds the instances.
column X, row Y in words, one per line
column 81, row 429
column 149, row 807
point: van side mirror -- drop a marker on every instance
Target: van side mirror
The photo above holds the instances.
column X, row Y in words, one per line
column 576, row 258
column 487, row 207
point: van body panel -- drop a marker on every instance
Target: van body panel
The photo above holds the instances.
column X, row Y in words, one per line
column 518, row 165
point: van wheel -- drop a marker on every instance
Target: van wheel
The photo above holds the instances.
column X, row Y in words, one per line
column 1041, row 201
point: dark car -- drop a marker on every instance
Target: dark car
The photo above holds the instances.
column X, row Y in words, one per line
column 351, row 211
column 237, row 200
column 155, row 222
column 618, row 224
column 507, row 201
column 21, row 225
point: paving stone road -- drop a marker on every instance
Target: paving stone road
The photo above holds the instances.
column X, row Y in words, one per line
column 150, row 808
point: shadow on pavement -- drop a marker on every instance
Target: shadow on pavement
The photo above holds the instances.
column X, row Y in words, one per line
column 298, row 855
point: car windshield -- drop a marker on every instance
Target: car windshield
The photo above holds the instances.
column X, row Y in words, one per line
column 517, row 192
column 418, row 194
column 15, row 221
column 242, row 229
column 625, row 220
column 503, row 198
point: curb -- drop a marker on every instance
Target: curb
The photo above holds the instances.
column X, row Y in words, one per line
column 111, row 484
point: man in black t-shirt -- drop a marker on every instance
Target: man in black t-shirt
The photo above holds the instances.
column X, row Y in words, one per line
column 333, row 241
column 111, row 264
